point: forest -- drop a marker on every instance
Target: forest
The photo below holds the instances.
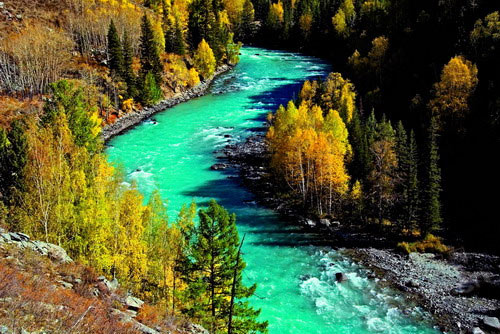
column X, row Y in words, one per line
column 68, row 69
column 402, row 134
column 431, row 66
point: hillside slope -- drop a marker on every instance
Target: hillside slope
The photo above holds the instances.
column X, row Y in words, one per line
column 43, row 290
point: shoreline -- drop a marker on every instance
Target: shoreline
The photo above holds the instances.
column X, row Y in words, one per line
column 130, row 120
column 459, row 292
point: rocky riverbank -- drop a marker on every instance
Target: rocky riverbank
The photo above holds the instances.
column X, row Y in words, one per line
column 131, row 119
column 461, row 291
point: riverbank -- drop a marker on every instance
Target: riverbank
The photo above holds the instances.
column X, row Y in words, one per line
column 131, row 119
column 460, row 291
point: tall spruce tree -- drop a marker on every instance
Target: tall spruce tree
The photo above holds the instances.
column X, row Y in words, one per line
column 179, row 46
column 128, row 71
column 151, row 92
column 115, row 52
column 407, row 189
column 360, row 163
column 13, row 158
column 431, row 206
column 201, row 22
column 247, row 18
column 168, row 27
column 150, row 53
column 412, row 201
column 215, row 276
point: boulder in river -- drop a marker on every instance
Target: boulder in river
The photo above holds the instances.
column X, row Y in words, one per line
column 219, row 166
column 492, row 323
column 341, row 277
column 325, row 222
column 309, row 222
column 477, row 330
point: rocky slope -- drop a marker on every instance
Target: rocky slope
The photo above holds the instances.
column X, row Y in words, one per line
column 42, row 290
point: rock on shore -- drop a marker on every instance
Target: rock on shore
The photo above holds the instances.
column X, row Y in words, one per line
column 432, row 282
column 129, row 120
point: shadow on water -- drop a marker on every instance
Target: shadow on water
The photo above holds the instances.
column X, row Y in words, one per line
column 232, row 196
column 271, row 99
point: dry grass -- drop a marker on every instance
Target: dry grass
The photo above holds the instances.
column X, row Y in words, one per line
column 32, row 297
column 47, row 12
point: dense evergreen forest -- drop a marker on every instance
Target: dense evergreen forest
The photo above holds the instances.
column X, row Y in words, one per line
column 431, row 65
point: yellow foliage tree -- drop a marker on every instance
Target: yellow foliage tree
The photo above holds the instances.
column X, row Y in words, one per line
column 338, row 94
column 275, row 15
column 204, row 59
column 309, row 153
column 452, row 92
column 344, row 18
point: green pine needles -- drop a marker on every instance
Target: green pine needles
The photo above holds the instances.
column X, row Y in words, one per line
column 214, row 275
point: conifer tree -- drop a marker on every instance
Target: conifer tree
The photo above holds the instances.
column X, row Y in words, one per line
column 179, row 46
column 168, row 27
column 13, row 158
column 128, row 71
column 360, row 163
column 201, row 22
column 82, row 121
column 217, row 265
column 115, row 52
column 406, row 151
column 247, row 18
column 150, row 53
column 412, row 182
column 431, row 206
column 151, row 92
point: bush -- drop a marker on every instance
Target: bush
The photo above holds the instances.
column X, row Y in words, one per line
column 430, row 244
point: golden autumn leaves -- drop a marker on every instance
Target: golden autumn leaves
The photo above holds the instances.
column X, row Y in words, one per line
column 310, row 145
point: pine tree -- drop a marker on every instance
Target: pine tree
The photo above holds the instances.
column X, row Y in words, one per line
column 168, row 27
column 82, row 120
column 431, row 206
column 360, row 163
column 13, row 158
column 201, row 22
column 216, row 267
column 150, row 53
column 247, row 18
column 128, row 71
column 115, row 52
column 151, row 92
column 412, row 201
column 407, row 188
column 179, row 46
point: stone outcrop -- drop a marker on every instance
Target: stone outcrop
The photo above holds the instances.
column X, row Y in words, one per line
column 54, row 252
column 131, row 119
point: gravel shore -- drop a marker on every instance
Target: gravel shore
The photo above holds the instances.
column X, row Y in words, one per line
column 461, row 291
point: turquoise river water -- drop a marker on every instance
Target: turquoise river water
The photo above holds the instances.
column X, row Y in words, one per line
column 296, row 277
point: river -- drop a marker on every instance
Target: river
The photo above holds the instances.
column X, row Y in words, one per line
column 296, row 278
